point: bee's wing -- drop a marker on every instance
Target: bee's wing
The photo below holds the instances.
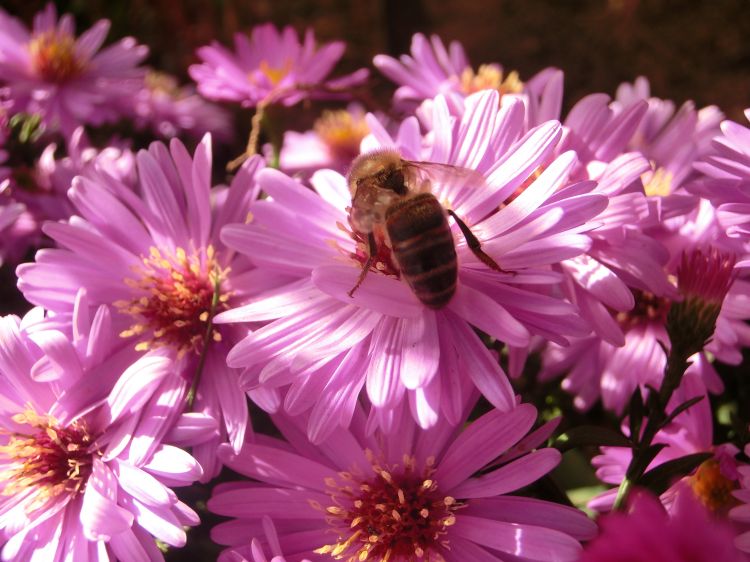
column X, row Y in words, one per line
column 450, row 184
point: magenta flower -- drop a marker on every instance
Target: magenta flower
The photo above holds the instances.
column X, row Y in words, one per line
column 404, row 496
column 271, row 66
column 646, row 533
column 67, row 80
column 83, row 477
column 433, row 69
column 155, row 257
column 169, row 110
column 741, row 514
column 327, row 344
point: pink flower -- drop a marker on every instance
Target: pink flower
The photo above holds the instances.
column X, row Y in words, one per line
column 433, row 69
column 741, row 513
column 690, row 432
column 646, row 533
column 82, row 475
column 65, row 79
column 155, row 257
column 169, row 110
column 271, row 66
column 333, row 142
column 408, row 495
column 327, row 344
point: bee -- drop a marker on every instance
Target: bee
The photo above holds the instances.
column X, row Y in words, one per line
column 393, row 204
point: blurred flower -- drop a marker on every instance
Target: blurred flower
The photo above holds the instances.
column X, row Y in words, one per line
column 169, row 110
column 432, row 70
column 332, row 143
column 155, row 257
column 271, row 66
column 328, row 344
column 67, row 80
column 647, row 533
column 80, row 479
column 404, row 496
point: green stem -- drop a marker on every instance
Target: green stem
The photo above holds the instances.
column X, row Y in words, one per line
column 207, row 340
column 677, row 364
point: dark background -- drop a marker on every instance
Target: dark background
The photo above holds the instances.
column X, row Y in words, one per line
column 688, row 50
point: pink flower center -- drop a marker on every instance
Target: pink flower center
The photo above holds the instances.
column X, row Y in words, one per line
column 398, row 515
column 713, row 488
column 342, row 132
column 176, row 298
column 54, row 58
column 383, row 262
column 51, row 458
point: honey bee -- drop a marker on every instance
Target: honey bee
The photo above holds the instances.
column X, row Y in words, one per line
column 393, row 204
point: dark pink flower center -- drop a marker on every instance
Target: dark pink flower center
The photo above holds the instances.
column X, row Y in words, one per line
column 648, row 308
column 398, row 515
column 175, row 300
column 54, row 58
column 49, row 457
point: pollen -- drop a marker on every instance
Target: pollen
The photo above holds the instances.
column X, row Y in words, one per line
column 174, row 301
column 54, row 57
column 396, row 515
column 342, row 132
column 490, row 77
column 52, row 459
column 657, row 183
column 713, row 488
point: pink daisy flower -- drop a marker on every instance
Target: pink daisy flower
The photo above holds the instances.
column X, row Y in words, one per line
column 647, row 533
column 434, row 69
column 67, row 80
column 154, row 255
column 408, row 495
column 270, row 66
column 79, row 479
column 327, row 342
column 169, row 110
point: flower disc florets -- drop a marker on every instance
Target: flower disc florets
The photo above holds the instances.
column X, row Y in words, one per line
column 177, row 298
column 51, row 458
column 399, row 515
column 54, row 57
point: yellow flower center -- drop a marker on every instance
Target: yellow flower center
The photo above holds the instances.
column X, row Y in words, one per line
column 342, row 132
column 274, row 74
column 490, row 77
column 397, row 515
column 175, row 300
column 53, row 57
column 50, row 458
column 657, row 183
column 713, row 488
column 161, row 82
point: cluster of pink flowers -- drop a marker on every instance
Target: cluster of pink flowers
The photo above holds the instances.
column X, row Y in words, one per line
column 380, row 291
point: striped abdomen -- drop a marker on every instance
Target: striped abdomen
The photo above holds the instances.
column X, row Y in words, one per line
column 423, row 248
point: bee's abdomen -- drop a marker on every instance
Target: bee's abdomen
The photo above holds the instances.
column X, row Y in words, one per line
column 423, row 248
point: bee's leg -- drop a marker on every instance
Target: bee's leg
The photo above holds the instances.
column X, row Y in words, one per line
column 475, row 245
column 372, row 251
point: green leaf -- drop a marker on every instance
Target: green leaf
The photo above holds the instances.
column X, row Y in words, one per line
column 660, row 478
column 681, row 408
column 591, row 435
column 636, row 413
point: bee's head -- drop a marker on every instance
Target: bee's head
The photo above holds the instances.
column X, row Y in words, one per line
column 381, row 168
